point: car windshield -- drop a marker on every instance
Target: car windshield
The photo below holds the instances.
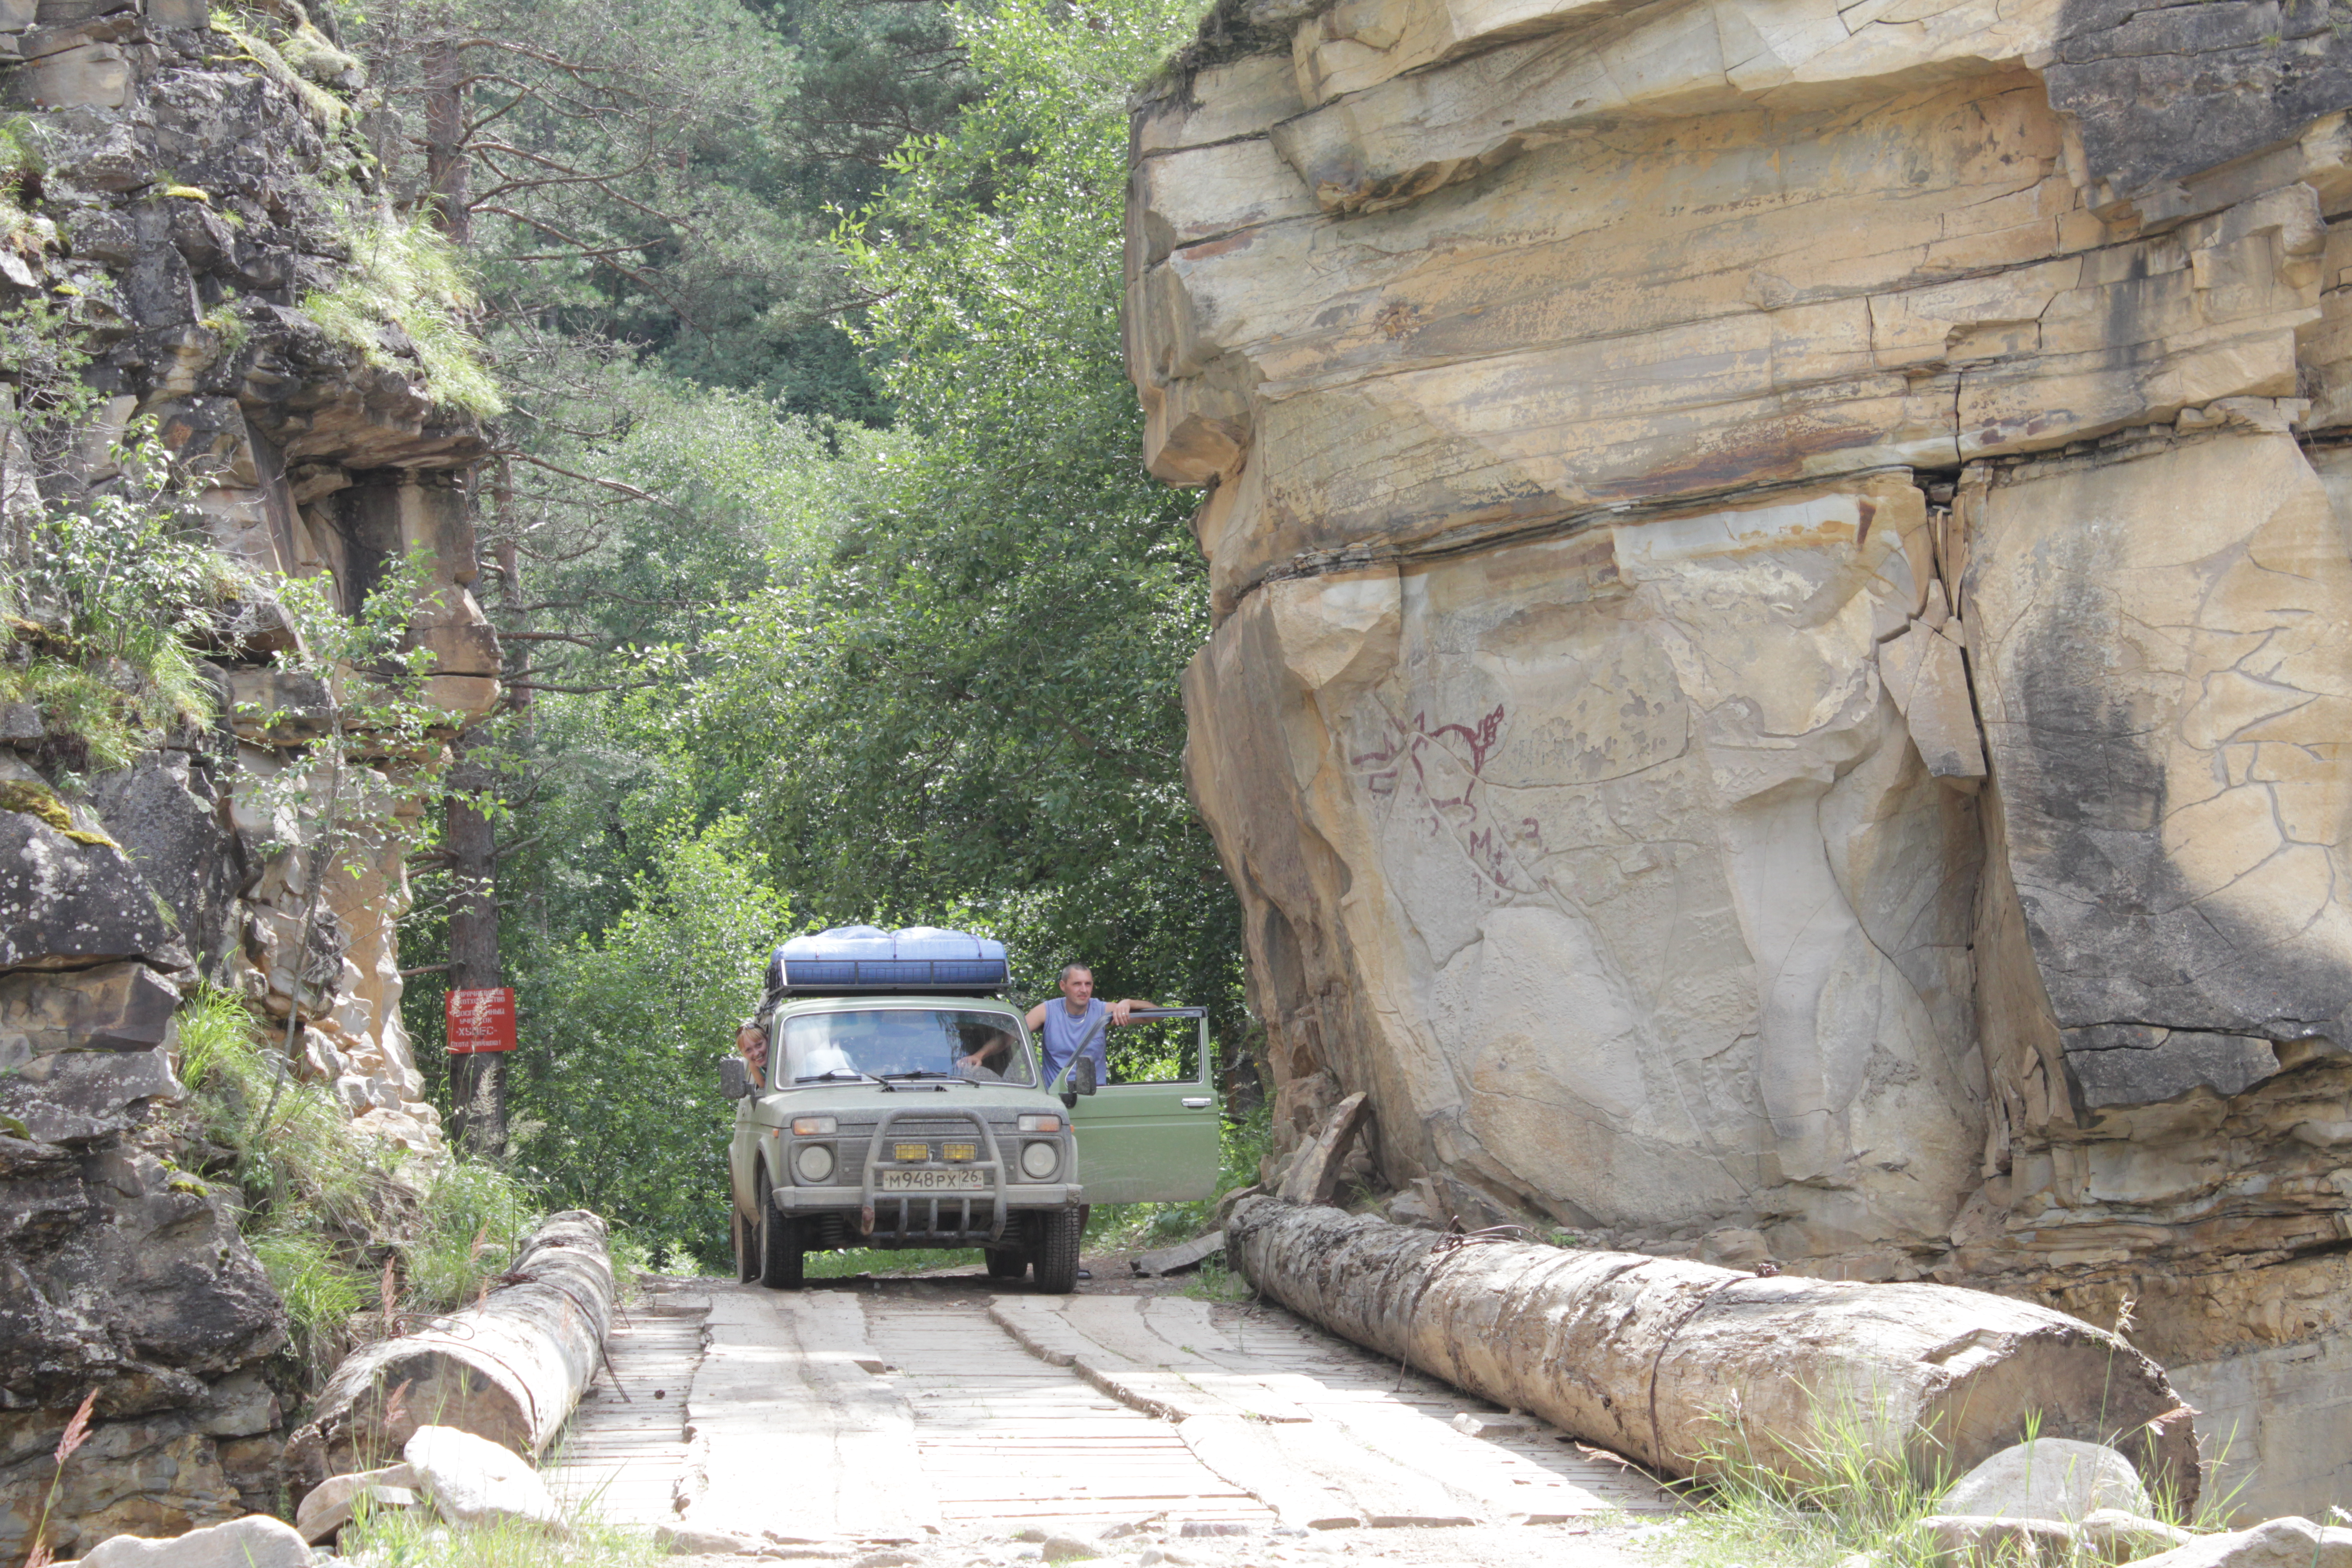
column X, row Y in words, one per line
column 901, row 1042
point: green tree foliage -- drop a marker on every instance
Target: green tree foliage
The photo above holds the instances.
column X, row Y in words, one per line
column 795, row 671
column 616, row 1107
column 976, row 688
column 659, row 174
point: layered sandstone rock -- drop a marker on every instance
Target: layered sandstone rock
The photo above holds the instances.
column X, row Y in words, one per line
column 1785, row 626
column 191, row 198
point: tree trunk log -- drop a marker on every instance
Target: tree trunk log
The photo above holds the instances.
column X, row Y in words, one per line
column 509, row 1369
column 476, row 1081
column 1679, row 1364
column 448, row 165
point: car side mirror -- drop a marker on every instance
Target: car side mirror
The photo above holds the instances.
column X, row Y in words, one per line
column 1075, row 1079
column 734, row 1079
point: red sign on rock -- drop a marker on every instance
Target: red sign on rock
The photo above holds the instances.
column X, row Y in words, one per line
column 480, row 1018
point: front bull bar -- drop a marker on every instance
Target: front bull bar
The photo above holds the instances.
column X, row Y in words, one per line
column 870, row 1194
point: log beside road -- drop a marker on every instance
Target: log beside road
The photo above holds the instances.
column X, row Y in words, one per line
column 510, row 1368
column 1674, row 1363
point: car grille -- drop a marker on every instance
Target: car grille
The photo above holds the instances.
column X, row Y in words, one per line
column 855, row 1139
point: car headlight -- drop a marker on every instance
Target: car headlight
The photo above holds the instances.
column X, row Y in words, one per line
column 1036, row 1123
column 814, row 1162
column 1038, row 1160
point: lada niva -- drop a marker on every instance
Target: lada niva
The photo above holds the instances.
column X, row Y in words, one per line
column 904, row 1106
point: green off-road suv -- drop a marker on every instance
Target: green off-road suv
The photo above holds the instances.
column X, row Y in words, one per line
column 905, row 1107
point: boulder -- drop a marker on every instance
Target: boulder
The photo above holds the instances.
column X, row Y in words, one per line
column 2288, row 1542
column 256, row 1540
column 67, row 902
column 331, row 1505
column 2049, row 1477
column 165, row 812
column 1314, row 1178
column 113, row 1265
column 473, row 1480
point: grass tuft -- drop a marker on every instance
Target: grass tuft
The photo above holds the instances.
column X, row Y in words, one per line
column 312, row 1191
column 402, row 1537
column 406, row 274
column 327, row 109
column 1814, row 1499
column 474, row 1217
column 1214, row 1281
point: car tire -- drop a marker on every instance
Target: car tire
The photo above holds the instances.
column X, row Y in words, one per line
column 1012, row 1263
column 746, row 1237
column 780, row 1256
column 1056, row 1252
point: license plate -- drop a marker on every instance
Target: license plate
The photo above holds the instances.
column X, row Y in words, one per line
column 934, row 1181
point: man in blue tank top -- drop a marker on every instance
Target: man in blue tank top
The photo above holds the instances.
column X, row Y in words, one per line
column 1076, row 1026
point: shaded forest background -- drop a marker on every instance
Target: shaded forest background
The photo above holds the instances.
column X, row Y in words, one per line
column 833, row 586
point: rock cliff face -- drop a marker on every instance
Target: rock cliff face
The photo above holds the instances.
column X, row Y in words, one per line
column 1785, row 631
column 193, row 195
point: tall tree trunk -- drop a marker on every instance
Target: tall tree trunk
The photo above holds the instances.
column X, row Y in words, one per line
column 477, row 1082
column 447, row 170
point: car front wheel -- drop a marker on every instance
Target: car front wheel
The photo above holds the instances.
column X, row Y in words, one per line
column 1056, row 1252
column 781, row 1257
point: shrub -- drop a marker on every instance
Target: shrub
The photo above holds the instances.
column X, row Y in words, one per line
column 311, row 1190
column 321, row 1202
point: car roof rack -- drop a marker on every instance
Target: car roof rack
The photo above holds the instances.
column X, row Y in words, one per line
column 926, row 960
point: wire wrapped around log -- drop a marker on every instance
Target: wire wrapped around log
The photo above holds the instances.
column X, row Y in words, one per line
column 1679, row 1364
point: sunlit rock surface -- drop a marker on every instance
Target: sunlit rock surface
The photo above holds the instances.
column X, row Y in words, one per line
column 1785, row 631
column 188, row 187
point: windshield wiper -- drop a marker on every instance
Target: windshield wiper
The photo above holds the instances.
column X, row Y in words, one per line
column 837, row 1076
column 927, row 1073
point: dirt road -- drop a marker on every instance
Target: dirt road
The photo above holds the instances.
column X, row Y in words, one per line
column 958, row 1420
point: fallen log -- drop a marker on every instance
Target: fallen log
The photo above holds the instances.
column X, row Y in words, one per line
column 1687, row 1368
column 508, row 1368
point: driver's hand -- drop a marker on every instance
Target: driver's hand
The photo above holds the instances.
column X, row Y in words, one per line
column 1119, row 1010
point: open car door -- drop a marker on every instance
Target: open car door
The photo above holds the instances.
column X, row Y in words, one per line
column 1149, row 1135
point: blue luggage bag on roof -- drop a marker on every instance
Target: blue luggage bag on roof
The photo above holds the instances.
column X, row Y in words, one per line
column 866, row 958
